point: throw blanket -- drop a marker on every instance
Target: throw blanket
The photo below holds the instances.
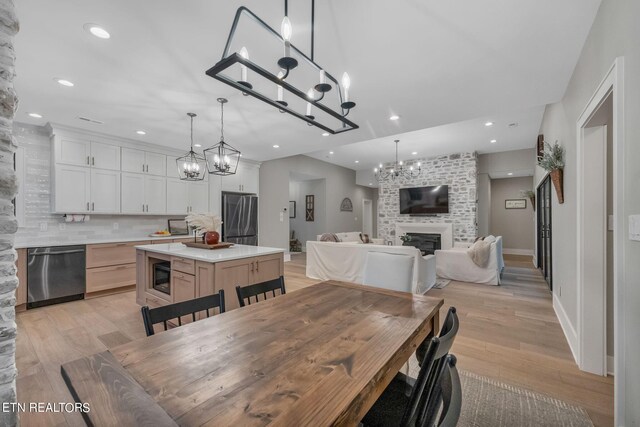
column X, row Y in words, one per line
column 479, row 253
column 329, row 237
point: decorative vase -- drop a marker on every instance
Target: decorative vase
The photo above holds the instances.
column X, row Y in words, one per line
column 557, row 178
column 212, row 237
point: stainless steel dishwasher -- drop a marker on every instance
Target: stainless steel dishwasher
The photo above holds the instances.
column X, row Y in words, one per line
column 55, row 274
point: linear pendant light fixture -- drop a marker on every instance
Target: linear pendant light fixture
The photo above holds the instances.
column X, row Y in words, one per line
column 326, row 101
column 191, row 166
column 397, row 170
column 222, row 159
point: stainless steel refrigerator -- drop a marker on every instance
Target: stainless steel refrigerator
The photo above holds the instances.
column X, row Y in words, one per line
column 240, row 218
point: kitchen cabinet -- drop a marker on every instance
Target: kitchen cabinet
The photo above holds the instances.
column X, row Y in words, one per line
column 143, row 194
column 215, row 194
column 183, row 287
column 245, row 180
column 105, row 191
column 187, row 196
column 104, row 254
column 102, row 279
column 78, row 152
column 111, row 267
column 72, row 189
column 140, row 161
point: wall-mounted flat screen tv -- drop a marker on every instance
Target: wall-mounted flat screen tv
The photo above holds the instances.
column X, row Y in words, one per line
column 424, row 200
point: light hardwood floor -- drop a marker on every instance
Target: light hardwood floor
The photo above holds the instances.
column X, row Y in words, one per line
column 508, row 332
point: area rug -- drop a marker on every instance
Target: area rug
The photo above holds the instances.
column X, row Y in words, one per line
column 441, row 283
column 490, row 403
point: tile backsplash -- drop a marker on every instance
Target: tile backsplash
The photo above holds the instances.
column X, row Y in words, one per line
column 38, row 224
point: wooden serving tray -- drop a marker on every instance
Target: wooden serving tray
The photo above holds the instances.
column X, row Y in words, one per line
column 199, row 245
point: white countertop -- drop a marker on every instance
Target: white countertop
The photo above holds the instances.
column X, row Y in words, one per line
column 210, row 255
column 35, row 243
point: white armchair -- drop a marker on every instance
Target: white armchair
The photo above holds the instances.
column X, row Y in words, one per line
column 456, row 264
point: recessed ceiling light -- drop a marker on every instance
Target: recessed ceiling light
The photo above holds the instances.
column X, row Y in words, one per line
column 276, row 146
column 370, row 183
column 97, row 31
column 330, row 152
column 413, row 153
column 141, row 132
column 325, row 134
column 394, row 117
column 64, row 82
column 510, row 173
column 357, row 161
column 197, row 145
column 493, row 141
column 35, row 115
column 489, row 124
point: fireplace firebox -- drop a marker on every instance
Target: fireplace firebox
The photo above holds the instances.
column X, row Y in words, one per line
column 428, row 243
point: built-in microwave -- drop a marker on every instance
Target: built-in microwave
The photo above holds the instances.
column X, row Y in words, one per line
column 162, row 277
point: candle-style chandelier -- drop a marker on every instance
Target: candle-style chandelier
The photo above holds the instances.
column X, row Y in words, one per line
column 222, row 159
column 293, row 72
column 191, row 166
column 397, row 170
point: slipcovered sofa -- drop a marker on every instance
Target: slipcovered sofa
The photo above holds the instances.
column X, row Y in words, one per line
column 345, row 261
column 456, row 264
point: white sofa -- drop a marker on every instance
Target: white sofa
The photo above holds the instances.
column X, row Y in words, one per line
column 346, row 262
column 352, row 237
column 456, row 264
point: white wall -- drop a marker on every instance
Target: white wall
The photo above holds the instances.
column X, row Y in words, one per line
column 274, row 197
column 514, row 225
column 308, row 230
column 615, row 33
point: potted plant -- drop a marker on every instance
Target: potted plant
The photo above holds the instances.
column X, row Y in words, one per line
column 553, row 161
column 207, row 226
column 531, row 195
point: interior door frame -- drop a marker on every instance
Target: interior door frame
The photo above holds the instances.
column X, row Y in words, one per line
column 612, row 84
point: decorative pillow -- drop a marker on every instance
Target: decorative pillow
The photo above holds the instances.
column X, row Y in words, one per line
column 365, row 238
column 479, row 238
column 329, row 237
column 490, row 238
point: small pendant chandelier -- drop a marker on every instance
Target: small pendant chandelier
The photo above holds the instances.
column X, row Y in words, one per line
column 191, row 166
column 397, row 170
column 222, row 159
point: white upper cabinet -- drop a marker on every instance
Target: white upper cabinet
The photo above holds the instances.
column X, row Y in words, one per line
column 156, row 163
column 73, row 152
column 143, row 162
column 177, row 196
column 132, row 193
column 215, row 194
column 105, row 156
column 72, row 189
column 245, row 180
column 155, row 191
column 105, row 191
column 198, row 197
column 133, row 160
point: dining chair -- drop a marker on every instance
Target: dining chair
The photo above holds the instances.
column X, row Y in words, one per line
column 208, row 304
column 396, row 407
column 389, row 271
column 444, row 404
column 263, row 288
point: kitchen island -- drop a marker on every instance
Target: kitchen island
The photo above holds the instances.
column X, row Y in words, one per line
column 172, row 272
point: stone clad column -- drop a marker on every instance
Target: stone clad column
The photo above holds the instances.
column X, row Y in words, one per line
column 8, row 224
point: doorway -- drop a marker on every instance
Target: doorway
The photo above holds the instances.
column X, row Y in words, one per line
column 544, row 255
column 367, row 217
column 593, row 223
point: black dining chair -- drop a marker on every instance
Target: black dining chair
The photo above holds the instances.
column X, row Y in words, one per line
column 396, row 407
column 444, row 404
column 208, row 304
column 263, row 288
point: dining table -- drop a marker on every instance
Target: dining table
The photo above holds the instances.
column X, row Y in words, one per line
column 317, row 356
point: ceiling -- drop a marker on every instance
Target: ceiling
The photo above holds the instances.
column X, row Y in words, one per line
column 454, row 63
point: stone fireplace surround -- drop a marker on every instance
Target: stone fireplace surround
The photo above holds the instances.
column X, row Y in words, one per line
column 445, row 230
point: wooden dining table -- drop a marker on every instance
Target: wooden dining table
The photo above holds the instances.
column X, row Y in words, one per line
column 318, row 356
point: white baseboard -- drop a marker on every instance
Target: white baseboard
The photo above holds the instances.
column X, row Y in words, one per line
column 568, row 329
column 508, row 251
column 610, row 365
